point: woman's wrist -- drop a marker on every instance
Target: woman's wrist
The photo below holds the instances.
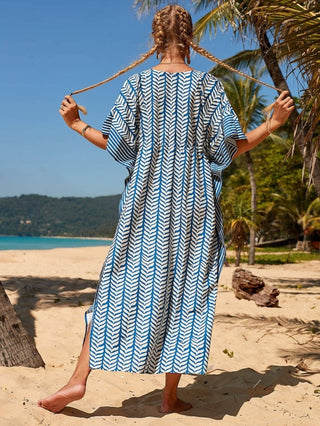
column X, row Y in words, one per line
column 267, row 124
column 78, row 125
column 271, row 125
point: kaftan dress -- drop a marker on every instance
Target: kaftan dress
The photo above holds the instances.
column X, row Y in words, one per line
column 154, row 307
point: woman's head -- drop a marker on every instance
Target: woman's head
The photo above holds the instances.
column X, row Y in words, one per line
column 172, row 27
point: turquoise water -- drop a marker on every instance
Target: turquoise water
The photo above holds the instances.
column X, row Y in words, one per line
column 44, row 243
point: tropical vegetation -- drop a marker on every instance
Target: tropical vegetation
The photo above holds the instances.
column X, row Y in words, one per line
column 246, row 100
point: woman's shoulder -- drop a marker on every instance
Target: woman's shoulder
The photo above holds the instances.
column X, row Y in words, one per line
column 210, row 79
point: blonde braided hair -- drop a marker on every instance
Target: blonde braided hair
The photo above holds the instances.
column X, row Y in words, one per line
column 172, row 26
column 129, row 67
column 213, row 58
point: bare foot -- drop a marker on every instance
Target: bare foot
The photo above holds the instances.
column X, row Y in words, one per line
column 173, row 405
column 57, row 401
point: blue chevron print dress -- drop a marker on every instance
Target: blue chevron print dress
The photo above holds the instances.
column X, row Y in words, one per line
column 154, row 307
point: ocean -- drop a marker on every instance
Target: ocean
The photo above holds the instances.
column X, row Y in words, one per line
column 46, row 243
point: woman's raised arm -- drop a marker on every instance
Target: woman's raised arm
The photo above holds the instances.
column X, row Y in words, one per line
column 70, row 113
column 282, row 109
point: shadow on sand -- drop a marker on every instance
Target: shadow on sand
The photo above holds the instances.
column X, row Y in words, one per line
column 295, row 283
column 218, row 394
column 238, row 387
column 41, row 293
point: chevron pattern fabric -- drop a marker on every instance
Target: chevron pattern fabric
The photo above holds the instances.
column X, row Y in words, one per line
column 154, row 307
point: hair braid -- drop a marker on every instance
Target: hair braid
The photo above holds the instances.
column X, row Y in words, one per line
column 134, row 64
column 184, row 32
column 163, row 31
column 213, row 58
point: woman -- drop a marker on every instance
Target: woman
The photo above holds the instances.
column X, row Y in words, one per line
column 175, row 131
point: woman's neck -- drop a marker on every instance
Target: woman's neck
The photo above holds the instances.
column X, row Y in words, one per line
column 172, row 61
column 172, row 55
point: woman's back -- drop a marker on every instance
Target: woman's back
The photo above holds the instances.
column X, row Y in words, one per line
column 172, row 121
column 168, row 248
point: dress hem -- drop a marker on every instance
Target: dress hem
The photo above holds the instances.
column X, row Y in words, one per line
column 147, row 372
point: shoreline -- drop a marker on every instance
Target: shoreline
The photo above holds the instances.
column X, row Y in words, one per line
column 17, row 243
column 59, row 236
column 74, row 238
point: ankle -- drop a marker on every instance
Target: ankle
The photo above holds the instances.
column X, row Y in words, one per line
column 77, row 380
column 169, row 394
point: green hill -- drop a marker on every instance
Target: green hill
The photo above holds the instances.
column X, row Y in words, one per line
column 34, row 215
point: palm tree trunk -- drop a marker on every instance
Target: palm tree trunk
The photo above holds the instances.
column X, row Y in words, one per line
column 238, row 256
column 16, row 347
column 280, row 82
column 253, row 208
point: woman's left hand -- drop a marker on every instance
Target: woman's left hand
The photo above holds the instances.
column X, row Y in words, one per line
column 283, row 107
column 69, row 111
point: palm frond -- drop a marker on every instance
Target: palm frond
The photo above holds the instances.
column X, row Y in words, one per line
column 203, row 4
column 242, row 61
column 218, row 17
column 145, row 6
column 295, row 27
column 314, row 205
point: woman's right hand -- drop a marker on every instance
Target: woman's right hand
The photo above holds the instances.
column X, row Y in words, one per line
column 69, row 111
column 283, row 107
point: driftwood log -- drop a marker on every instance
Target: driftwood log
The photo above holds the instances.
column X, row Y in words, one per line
column 250, row 287
column 16, row 346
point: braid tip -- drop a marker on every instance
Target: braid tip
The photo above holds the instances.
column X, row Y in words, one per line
column 83, row 109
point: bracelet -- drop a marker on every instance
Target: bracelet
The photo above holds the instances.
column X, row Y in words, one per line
column 268, row 126
column 84, row 129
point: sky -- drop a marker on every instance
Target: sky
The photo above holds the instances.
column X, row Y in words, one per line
column 49, row 49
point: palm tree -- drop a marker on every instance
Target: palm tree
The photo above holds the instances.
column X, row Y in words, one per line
column 237, row 222
column 239, row 230
column 294, row 25
column 310, row 220
column 247, row 102
column 305, row 218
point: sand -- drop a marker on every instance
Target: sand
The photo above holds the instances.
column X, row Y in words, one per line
column 258, row 385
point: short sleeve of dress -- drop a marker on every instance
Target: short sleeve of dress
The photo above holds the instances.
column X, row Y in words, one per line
column 222, row 132
column 122, row 125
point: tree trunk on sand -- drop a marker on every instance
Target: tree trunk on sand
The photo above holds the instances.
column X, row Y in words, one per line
column 253, row 208
column 280, row 82
column 251, row 287
column 16, row 346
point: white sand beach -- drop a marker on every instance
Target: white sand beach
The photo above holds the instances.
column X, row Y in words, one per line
column 259, row 384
